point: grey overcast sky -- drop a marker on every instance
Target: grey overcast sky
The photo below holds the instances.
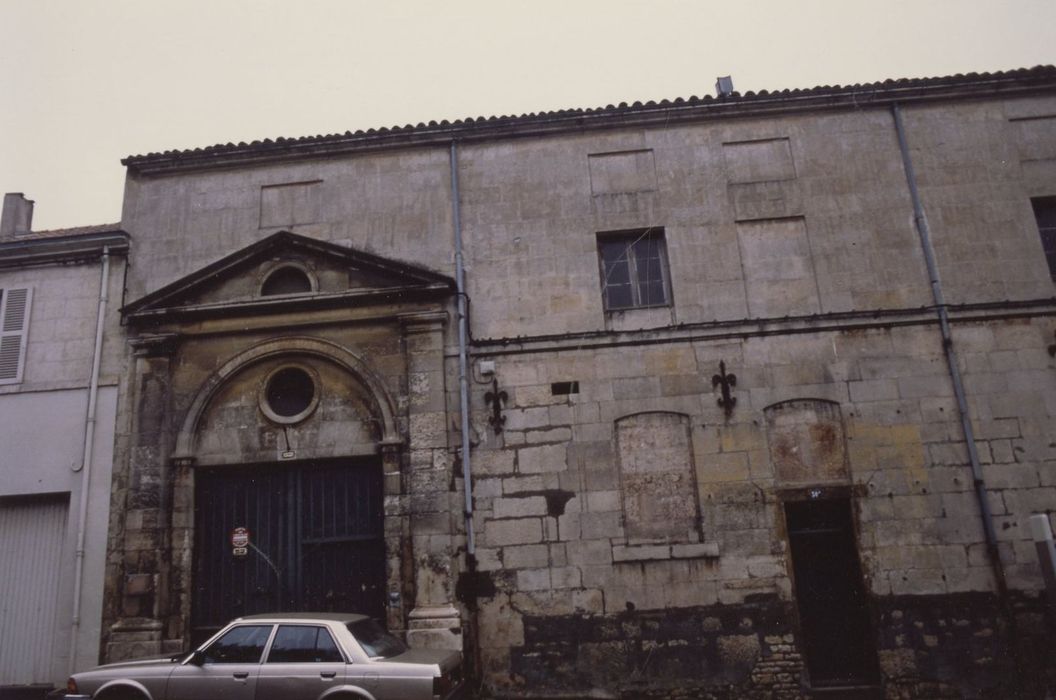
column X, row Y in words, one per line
column 85, row 82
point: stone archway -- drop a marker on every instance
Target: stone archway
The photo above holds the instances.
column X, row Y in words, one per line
column 360, row 409
column 277, row 348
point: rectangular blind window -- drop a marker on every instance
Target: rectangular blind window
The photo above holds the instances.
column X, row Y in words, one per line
column 14, row 324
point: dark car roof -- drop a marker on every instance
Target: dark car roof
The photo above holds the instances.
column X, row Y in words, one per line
column 325, row 616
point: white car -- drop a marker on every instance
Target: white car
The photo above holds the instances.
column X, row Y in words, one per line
column 289, row 656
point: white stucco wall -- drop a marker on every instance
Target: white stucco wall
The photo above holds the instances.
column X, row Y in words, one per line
column 43, row 438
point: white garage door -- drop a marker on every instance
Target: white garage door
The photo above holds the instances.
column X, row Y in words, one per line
column 31, row 536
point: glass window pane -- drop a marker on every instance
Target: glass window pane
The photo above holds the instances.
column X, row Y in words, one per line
column 241, row 645
column 649, row 270
column 618, row 297
column 617, row 281
column 375, row 640
column 652, row 293
column 293, row 644
column 301, row 644
column 326, row 649
column 634, row 266
column 1045, row 215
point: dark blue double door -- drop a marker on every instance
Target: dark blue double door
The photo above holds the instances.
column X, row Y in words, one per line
column 315, row 541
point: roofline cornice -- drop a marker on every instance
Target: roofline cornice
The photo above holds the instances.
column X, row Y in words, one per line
column 62, row 249
column 289, row 304
column 1019, row 83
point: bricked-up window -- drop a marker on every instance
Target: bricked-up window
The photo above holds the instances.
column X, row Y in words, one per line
column 657, row 477
column 14, row 324
column 634, row 272
column 1045, row 215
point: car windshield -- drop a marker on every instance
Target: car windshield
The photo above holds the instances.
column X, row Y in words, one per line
column 376, row 642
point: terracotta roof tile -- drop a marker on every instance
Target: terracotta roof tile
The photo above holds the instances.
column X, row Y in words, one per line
column 891, row 89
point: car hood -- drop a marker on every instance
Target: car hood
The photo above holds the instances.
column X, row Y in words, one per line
column 166, row 660
column 444, row 658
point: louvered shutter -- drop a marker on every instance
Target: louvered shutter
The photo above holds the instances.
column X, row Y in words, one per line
column 14, row 324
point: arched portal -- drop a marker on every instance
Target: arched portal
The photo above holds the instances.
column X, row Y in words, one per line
column 360, row 380
column 282, row 452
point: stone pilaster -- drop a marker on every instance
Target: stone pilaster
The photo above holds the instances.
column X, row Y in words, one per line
column 434, row 509
column 143, row 550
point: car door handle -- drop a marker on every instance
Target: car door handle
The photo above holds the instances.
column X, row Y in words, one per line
column 241, row 675
column 327, row 674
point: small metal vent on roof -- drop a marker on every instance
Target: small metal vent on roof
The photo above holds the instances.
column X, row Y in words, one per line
column 724, row 85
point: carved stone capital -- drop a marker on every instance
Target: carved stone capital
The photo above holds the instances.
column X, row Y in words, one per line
column 423, row 322
column 182, row 461
column 155, row 345
column 390, row 446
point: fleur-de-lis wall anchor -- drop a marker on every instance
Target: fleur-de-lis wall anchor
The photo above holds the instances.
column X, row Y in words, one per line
column 496, row 399
column 727, row 381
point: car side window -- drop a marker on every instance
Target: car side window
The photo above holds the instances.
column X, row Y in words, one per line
column 241, row 645
column 303, row 644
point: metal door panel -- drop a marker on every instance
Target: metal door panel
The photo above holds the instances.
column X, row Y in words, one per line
column 213, row 682
column 298, row 681
column 316, row 534
column 225, row 586
column 32, row 532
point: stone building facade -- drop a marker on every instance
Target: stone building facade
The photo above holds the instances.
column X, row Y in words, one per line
column 761, row 391
column 60, row 360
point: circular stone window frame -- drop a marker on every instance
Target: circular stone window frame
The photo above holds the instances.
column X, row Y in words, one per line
column 262, row 394
column 280, row 265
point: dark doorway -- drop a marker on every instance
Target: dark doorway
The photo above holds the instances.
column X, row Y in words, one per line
column 316, row 541
column 833, row 611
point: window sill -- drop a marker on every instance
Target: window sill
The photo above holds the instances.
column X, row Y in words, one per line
column 660, row 552
column 639, row 317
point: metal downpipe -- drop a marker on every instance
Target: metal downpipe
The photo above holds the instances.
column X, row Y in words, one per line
column 463, row 378
column 86, row 458
column 951, row 361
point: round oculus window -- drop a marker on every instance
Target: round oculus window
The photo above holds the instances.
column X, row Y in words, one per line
column 289, row 395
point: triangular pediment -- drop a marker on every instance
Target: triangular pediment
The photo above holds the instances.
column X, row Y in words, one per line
column 334, row 274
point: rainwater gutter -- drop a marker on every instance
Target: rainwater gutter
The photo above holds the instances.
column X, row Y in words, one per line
column 86, row 460
column 978, row 481
column 463, row 360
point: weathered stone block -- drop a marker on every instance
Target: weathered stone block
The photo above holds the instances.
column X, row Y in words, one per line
column 525, row 418
column 701, row 550
column 526, row 556
column 622, row 553
column 493, row 461
column 600, row 525
column 548, row 458
column 499, row 533
column 533, row 580
column 519, row 507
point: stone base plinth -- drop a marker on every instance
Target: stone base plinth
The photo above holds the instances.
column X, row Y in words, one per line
column 435, row 627
column 134, row 638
